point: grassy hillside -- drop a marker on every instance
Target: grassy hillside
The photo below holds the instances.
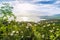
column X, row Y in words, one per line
column 43, row 30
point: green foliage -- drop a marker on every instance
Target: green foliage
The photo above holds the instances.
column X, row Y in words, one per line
column 6, row 11
column 44, row 30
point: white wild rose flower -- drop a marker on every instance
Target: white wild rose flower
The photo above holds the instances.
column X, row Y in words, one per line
column 22, row 36
column 46, row 22
column 48, row 25
column 17, row 32
column 13, row 31
column 29, row 24
column 27, row 27
column 53, row 27
column 57, row 29
column 43, row 36
column 11, row 34
column 53, row 23
column 21, row 31
column 51, row 30
column 44, row 26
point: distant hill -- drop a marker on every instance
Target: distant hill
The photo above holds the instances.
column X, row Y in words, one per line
column 56, row 16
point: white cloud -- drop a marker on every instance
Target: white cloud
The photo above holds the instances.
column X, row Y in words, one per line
column 42, row 0
column 23, row 8
column 50, row 9
column 28, row 9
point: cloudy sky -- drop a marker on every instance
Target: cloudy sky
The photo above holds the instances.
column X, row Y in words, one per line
column 34, row 7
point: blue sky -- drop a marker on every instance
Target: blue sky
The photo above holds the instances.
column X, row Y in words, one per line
column 46, row 2
column 34, row 8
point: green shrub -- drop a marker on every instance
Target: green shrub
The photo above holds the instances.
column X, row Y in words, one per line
column 47, row 30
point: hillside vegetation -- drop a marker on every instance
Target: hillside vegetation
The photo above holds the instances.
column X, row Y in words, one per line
column 44, row 30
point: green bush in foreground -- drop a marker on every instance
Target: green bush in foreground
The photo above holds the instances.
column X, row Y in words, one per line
column 44, row 30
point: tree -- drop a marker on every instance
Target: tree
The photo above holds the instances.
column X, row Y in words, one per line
column 6, row 11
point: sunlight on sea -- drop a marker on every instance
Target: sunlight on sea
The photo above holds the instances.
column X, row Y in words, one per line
column 29, row 19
